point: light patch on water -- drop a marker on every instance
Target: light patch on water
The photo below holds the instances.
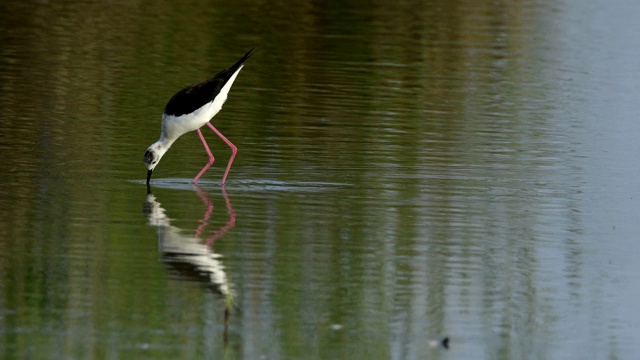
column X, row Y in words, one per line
column 246, row 185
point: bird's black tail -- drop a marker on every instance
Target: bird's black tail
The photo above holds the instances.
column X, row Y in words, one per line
column 232, row 69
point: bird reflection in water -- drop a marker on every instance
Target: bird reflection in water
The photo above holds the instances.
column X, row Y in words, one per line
column 193, row 256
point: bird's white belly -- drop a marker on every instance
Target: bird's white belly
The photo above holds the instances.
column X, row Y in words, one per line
column 176, row 126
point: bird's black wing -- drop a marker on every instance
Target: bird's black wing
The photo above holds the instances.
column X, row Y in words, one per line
column 195, row 96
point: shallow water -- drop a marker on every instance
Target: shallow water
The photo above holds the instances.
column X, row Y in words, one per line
column 406, row 172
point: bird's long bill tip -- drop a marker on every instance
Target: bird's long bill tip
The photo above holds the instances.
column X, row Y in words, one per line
column 149, row 176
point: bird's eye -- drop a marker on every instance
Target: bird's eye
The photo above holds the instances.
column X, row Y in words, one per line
column 154, row 162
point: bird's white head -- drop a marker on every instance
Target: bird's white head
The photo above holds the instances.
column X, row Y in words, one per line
column 152, row 157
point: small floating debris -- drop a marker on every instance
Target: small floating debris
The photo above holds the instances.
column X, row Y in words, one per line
column 336, row 327
column 444, row 342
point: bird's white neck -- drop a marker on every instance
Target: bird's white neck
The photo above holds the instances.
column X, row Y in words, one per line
column 160, row 147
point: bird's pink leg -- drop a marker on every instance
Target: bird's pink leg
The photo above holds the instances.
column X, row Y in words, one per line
column 234, row 150
column 211, row 158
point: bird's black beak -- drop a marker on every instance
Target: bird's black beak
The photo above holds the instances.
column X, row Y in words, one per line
column 149, row 176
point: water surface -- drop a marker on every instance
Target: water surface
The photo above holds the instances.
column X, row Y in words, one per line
column 406, row 172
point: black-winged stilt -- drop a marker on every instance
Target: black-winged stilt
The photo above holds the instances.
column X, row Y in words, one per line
column 190, row 109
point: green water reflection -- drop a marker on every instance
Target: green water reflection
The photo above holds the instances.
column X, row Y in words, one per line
column 406, row 171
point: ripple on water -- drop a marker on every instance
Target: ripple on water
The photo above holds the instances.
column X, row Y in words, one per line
column 248, row 185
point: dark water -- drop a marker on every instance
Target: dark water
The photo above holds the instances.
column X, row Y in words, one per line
column 406, row 171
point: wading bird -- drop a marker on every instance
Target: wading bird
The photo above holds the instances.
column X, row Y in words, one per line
column 190, row 109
